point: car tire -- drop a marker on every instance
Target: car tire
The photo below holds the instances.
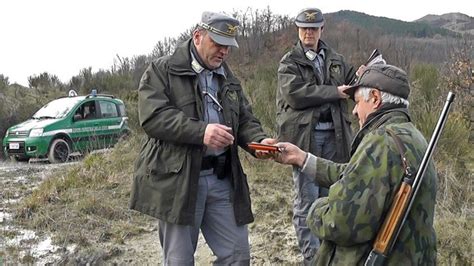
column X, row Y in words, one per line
column 59, row 151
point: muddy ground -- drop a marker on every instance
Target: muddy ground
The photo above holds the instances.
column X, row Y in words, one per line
column 271, row 237
column 17, row 180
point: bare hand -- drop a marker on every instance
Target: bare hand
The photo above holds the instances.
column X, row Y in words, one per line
column 290, row 154
column 266, row 154
column 341, row 89
column 218, row 136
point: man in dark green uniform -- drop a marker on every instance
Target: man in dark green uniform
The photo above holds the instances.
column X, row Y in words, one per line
column 188, row 173
column 312, row 112
column 361, row 190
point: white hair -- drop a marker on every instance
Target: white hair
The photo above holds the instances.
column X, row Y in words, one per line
column 386, row 97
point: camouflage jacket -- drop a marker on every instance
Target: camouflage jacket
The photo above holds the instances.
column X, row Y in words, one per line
column 171, row 113
column 361, row 192
column 301, row 97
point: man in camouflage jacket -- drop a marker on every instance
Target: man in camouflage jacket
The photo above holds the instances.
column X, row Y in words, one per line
column 362, row 190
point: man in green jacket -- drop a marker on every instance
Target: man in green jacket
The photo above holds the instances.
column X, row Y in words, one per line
column 362, row 190
column 312, row 112
column 188, row 173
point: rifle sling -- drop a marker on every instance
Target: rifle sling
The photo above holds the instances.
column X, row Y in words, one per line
column 401, row 149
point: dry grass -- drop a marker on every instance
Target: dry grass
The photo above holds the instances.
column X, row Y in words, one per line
column 87, row 205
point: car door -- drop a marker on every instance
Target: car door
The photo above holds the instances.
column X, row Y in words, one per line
column 86, row 131
column 110, row 122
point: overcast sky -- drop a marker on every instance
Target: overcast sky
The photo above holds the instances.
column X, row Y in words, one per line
column 62, row 37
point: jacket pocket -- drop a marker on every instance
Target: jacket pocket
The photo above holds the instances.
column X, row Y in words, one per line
column 336, row 72
column 232, row 104
column 293, row 125
column 165, row 159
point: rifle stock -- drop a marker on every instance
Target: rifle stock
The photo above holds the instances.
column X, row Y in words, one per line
column 403, row 201
column 386, row 233
column 388, row 229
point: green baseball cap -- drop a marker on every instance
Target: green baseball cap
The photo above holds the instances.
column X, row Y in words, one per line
column 385, row 78
column 221, row 28
column 310, row 18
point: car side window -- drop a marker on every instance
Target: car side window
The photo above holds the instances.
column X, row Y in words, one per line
column 88, row 110
column 108, row 109
column 79, row 114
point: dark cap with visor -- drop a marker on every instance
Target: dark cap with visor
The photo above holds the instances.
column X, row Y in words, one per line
column 310, row 18
column 221, row 28
column 385, row 78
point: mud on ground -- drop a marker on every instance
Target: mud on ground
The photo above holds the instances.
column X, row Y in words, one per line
column 86, row 223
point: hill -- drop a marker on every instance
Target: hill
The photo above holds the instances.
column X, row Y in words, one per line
column 457, row 22
column 385, row 25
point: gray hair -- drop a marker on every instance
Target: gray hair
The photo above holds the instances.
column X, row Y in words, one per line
column 386, row 97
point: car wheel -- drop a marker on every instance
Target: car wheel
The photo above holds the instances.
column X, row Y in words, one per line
column 59, row 151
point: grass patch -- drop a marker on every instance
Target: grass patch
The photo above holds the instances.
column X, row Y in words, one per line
column 454, row 239
column 87, row 205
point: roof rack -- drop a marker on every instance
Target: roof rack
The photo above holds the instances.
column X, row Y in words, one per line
column 103, row 95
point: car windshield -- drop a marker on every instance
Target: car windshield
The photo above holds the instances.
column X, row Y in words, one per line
column 57, row 108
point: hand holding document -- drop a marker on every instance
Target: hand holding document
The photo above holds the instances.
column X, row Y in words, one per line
column 374, row 58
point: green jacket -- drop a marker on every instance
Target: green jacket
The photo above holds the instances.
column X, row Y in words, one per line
column 362, row 190
column 301, row 97
column 171, row 113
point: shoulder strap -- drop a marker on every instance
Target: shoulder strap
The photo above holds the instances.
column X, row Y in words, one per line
column 401, row 149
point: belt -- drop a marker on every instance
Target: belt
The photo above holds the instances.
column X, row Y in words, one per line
column 217, row 163
column 208, row 162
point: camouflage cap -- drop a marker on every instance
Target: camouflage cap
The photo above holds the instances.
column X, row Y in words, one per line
column 310, row 18
column 385, row 78
column 221, row 28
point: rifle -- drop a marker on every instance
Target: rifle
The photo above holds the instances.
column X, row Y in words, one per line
column 403, row 201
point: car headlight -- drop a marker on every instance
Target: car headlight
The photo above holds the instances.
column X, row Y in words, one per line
column 37, row 132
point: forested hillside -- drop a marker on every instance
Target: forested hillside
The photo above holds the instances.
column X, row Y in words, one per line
column 456, row 22
column 383, row 25
column 437, row 59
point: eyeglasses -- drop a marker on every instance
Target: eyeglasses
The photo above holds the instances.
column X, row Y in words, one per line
column 214, row 100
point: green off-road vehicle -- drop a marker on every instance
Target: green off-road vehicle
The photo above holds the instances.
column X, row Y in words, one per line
column 74, row 124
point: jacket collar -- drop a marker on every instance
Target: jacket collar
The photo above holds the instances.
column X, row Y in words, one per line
column 180, row 60
column 180, row 63
column 298, row 52
column 385, row 116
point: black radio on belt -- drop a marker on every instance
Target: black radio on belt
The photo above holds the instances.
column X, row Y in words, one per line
column 215, row 162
